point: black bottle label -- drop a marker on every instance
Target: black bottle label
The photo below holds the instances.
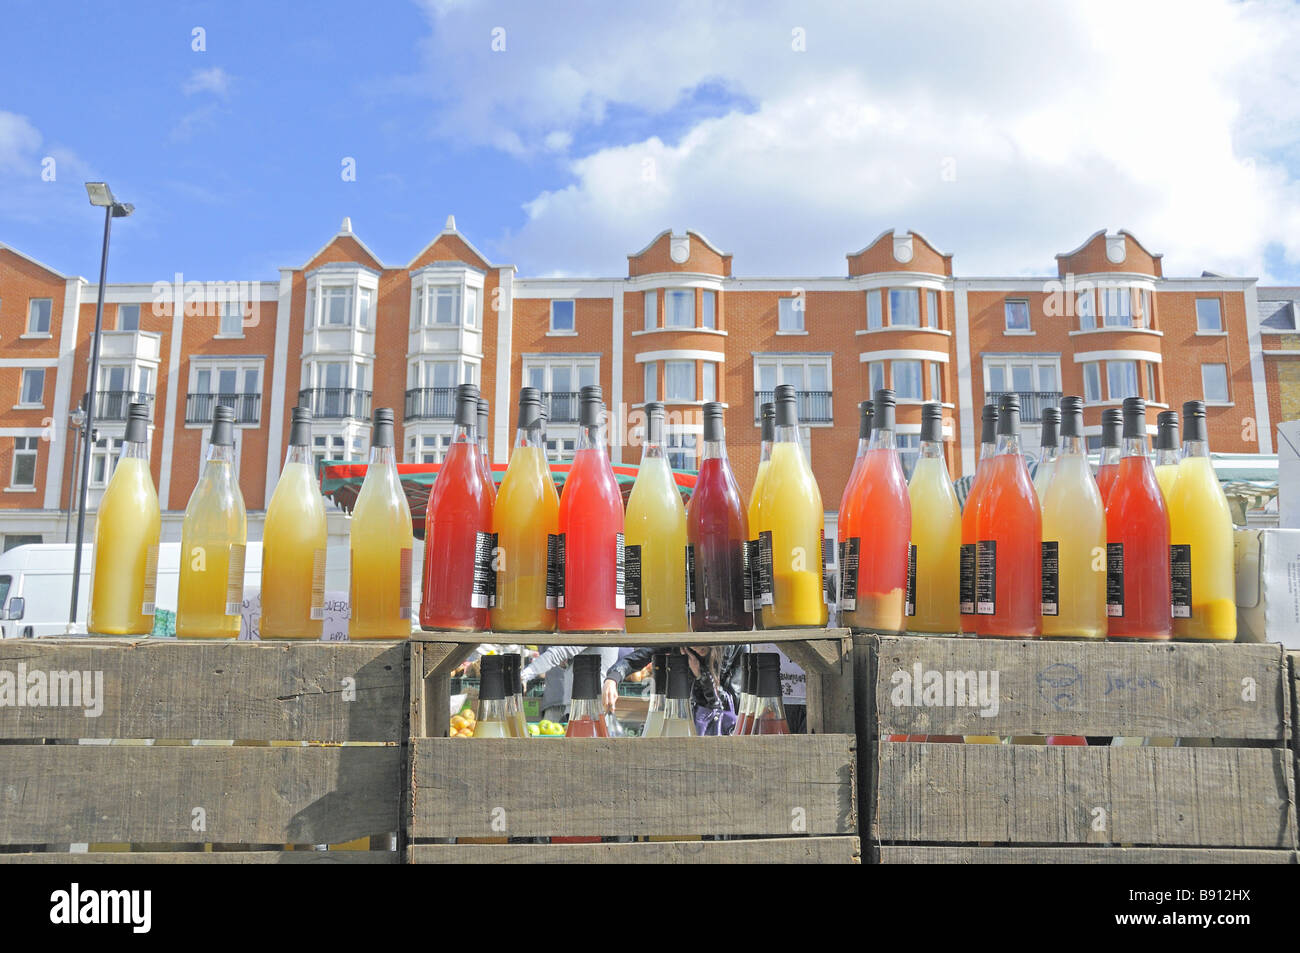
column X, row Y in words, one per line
column 633, row 585
column 690, row 581
column 484, row 594
column 1051, row 578
column 986, row 577
column 555, row 571
column 620, row 572
column 850, row 550
column 966, row 592
column 828, row 568
column 1180, row 580
column 749, row 564
column 767, row 584
column 1115, row 580
column 909, row 604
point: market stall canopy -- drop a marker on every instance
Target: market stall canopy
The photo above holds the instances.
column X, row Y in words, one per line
column 340, row 481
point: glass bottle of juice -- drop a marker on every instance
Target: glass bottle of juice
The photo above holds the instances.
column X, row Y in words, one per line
column 1009, row 532
column 849, row 522
column 586, row 714
column 381, row 540
column 1137, row 540
column 768, row 435
column 935, row 552
column 1167, row 456
column 654, row 718
column 1112, row 423
column 678, row 721
column 293, row 544
column 1200, row 534
column 589, row 547
column 875, row 570
column 654, row 528
column 791, row 528
column 459, row 578
column 748, row 685
column 494, row 719
column 1047, row 449
column 769, row 710
column 717, row 530
column 1074, row 539
column 483, row 418
column 124, row 570
column 969, row 513
column 210, row 593
column 526, row 515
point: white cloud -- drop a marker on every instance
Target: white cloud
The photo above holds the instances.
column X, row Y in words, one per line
column 214, row 80
column 19, row 142
column 1179, row 121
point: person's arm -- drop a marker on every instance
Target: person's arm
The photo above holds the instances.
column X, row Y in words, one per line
column 549, row 659
column 634, row 661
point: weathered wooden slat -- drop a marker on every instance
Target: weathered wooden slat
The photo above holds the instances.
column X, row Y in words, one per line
column 65, row 794
column 865, row 657
column 653, row 786
column 784, row 850
column 165, row 688
column 219, row 857
column 754, row 636
column 1077, row 855
column 1167, row 689
column 1029, row 794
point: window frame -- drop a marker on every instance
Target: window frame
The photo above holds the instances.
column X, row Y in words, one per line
column 552, row 327
column 678, row 294
column 24, row 448
column 1093, row 367
column 650, row 382
column 1137, row 380
column 31, row 317
column 22, row 387
column 122, row 310
column 669, row 396
column 914, row 294
column 791, row 307
column 1117, row 294
column 1007, row 307
column 708, row 381
column 875, row 315
column 1227, row 384
column 920, row 378
column 1218, row 315
column 650, row 305
column 708, row 309
column 931, row 309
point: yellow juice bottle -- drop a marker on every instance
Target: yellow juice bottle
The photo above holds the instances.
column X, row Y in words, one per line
column 791, row 528
column 1167, row 455
column 293, row 544
column 1200, row 541
column 526, row 515
column 654, row 529
column 210, row 592
column 1074, row 539
column 124, row 567
column 768, row 423
column 932, row 604
column 381, row 540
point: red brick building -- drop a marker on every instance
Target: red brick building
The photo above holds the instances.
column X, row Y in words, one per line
column 345, row 332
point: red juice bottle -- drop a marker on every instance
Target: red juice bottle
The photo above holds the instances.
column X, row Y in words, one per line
column 590, row 544
column 1009, row 532
column 969, row 513
column 883, row 513
column 1138, row 603
column 586, row 714
column 721, row 598
column 459, row 578
column 849, row 528
column 769, row 710
column 1112, row 422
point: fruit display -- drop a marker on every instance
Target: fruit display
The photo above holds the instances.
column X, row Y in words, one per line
column 462, row 725
column 547, row 729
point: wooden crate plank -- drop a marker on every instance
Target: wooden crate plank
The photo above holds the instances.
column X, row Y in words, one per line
column 912, row 854
column 665, row 786
column 782, row 850
column 1170, row 689
column 258, row 691
column 218, row 857
column 1029, row 794
column 753, row 637
column 65, row 794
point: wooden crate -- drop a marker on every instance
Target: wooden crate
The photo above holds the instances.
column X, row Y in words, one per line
column 68, row 778
column 778, row 799
column 1232, row 800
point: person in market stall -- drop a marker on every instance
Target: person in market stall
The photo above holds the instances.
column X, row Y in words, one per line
column 553, row 665
column 715, row 694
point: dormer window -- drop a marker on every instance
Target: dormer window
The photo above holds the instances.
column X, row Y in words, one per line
column 446, row 297
column 342, row 296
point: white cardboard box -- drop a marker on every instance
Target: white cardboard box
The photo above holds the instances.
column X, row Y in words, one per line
column 1288, row 474
column 1268, row 585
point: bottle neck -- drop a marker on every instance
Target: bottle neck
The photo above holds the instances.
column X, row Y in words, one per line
column 1109, row 456
column 1167, row 458
column 591, row 437
column 493, row 709
column 1073, row 447
column 881, row 439
column 652, row 451
column 931, row 450
column 765, row 450
column 715, row 449
column 533, row 435
column 987, row 450
column 788, row 433
column 218, row 453
column 462, row 433
column 134, row 450
column 298, row 453
column 678, row 708
column 382, row 456
column 1195, row 448
column 1135, row 447
column 585, row 708
column 1008, row 443
column 1048, row 454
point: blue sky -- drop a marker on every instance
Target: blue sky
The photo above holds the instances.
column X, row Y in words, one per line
column 789, row 134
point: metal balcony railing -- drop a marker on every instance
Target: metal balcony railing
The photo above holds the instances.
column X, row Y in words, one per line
column 431, row 403
column 1032, row 402
column 561, row 406
column 113, row 404
column 335, row 403
column 814, row 405
column 199, row 408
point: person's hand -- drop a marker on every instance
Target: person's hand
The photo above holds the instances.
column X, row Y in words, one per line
column 609, row 694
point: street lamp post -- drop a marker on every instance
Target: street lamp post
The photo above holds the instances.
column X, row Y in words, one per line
column 76, row 420
column 100, row 196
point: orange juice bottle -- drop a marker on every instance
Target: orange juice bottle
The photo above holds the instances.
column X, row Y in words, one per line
column 381, row 541
column 970, row 514
column 935, row 550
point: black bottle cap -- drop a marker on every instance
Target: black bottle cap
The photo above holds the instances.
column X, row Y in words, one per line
column 1135, row 418
column 137, row 424
column 1071, row 416
column 932, row 423
column 1050, row 427
column 300, row 427
column 383, row 433
column 223, row 426
column 768, row 665
column 751, row 673
column 491, row 678
column 1009, row 415
column 865, row 410
column 591, row 392
column 1194, row 427
column 1167, row 430
column 591, row 405
column 466, row 405
column 680, row 679
column 514, row 665
column 483, row 412
column 1112, row 425
column 530, row 406
column 786, row 399
column 768, row 412
column 586, row 676
column 714, row 425
column 654, row 422
column 989, row 424
column 659, row 671
column 882, row 417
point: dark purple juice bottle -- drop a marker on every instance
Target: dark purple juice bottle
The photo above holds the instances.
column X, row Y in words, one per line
column 716, row 531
